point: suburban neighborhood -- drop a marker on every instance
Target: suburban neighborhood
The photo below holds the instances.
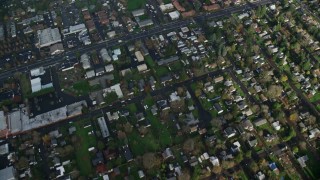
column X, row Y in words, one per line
column 159, row 89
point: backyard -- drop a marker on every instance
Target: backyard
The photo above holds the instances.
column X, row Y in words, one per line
column 86, row 141
column 135, row 4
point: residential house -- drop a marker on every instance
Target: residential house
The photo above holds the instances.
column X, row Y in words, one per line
column 167, row 153
column 229, row 132
column 214, row 161
column 252, row 141
column 247, row 125
column 302, row 161
column 140, row 116
column 112, row 116
column 127, row 153
column 163, row 104
column 260, row 122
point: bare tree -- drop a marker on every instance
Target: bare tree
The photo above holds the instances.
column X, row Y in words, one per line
column 150, row 160
column 274, row 91
column 188, row 145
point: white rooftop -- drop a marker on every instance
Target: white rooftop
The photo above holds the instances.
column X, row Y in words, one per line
column 3, row 123
column 36, row 84
column 47, row 37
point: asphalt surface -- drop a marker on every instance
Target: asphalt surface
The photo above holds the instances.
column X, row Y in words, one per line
column 134, row 36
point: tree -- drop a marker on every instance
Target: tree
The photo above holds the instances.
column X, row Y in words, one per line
column 178, row 105
column 303, row 145
column 238, row 158
column 111, row 97
column 36, row 139
column 22, row 163
column 185, row 175
column 127, row 127
column 227, row 164
column 255, row 108
column 295, row 149
column 150, row 160
column 274, row 91
column 265, row 77
column 188, row 145
column 198, row 92
column 294, row 116
column 248, row 154
column 216, row 123
column 311, row 120
column 180, row 91
column 284, row 78
column 216, row 169
column 100, row 145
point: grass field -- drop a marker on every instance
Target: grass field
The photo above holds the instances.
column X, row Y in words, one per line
column 25, row 85
column 82, row 154
column 135, row 4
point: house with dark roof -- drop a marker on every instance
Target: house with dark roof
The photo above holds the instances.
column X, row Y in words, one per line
column 165, row 79
column 230, row 132
column 98, row 159
column 127, row 153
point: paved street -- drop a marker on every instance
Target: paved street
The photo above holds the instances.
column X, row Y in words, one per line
column 133, row 36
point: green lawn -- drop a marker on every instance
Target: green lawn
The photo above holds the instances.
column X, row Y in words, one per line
column 41, row 92
column 148, row 100
column 150, row 61
column 176, row 66
column 132, row 108
column 83, row 157
column 159, row 131
column 316, row 97
column 25, row 85
column 135, row 4
column 82, row 88
column 161, row 71
column 140, row 145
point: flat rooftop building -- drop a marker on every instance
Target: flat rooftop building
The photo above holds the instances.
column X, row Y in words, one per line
column 48, row 37
column 7, row 173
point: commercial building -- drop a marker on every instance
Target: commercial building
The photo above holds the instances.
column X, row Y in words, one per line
column 166, row 7
column 37, row 85
column 48, row 37
column 174, row 15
